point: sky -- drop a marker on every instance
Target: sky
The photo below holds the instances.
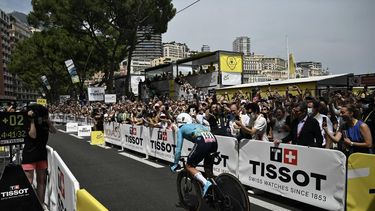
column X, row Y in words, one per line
column 338, row 33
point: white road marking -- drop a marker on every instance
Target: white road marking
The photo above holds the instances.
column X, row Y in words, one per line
column 266, row 205
column 74, row 135
column 103, row 146
column 359, row 172
column 142, row 160
column 63, row 131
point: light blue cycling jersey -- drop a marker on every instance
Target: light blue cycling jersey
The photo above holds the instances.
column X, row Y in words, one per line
column 190, row 132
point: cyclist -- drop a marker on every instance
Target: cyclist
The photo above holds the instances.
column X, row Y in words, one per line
column 204, row 144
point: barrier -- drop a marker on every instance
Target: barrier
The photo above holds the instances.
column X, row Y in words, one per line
column 71, row 127
column 361, row 182
column 112, row 133
column 67, row 118
column 132, row 137
column 86, row 202
column 161, row 143
column 84, row 130
column 65, row 184
column 295, row 172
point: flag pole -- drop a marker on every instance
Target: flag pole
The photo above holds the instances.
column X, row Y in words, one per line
column 287, row 56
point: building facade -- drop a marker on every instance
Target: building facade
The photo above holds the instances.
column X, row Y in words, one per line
column 205, row 48
column 274, row 68
column 148, row 48
column 175, row 50
column 6, row 79
column 252, row 67
column 242, row 45
column 309, row 69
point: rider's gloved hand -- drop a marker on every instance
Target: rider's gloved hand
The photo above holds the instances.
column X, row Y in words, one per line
column 174, row 167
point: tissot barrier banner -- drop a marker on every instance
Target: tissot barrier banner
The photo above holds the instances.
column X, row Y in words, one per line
column 161, row 144
column 96, row 93
column 132, row 137
column 66, row 185
column 112, row 133
column 310, row 175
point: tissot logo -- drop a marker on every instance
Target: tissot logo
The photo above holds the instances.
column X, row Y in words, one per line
column 133, row 131
column 162, row 135
column 288, row 156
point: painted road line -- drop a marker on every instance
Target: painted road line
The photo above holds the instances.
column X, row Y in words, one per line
column 74, row 135
column 266, row 205
column 103, row 146
column 63, row 131
column 357, row 173
column 142, row 160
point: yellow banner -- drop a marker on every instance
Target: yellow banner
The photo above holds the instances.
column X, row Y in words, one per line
column 231, row 63
column 97, row 137
column 361, row 182
column 292, row 66
column 41, row 101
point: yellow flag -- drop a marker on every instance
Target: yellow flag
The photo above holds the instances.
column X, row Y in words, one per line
column 231, row 63
column 292, row 66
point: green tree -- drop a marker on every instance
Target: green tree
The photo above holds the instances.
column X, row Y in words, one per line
column 111, row 25
column 44, row 53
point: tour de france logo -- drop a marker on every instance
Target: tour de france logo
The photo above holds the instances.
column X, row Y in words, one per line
column 231, row 62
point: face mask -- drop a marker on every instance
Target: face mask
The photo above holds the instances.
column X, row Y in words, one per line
column 309, row 111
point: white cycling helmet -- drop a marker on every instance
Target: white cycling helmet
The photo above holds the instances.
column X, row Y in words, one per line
column 184, row 118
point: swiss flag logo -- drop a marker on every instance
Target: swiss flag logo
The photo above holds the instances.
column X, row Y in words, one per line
column 290, row 156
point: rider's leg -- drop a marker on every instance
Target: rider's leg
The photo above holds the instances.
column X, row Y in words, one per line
column 196, row 174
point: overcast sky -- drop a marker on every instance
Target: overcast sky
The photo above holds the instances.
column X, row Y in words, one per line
column 338, row 33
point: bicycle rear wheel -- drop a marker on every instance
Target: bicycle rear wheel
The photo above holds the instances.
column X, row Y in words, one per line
column 234, row 197
column 189, row 191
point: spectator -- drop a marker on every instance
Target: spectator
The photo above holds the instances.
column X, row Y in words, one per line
column 314, row 107
column 354, row 135
column 259, row 130
column 281, row 122
column 305, row 130
column 368, row 117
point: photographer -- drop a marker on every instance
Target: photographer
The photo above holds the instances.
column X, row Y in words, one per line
column 34, row 154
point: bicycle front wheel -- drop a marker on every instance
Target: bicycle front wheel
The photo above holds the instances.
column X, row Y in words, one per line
column 189, row 191
column 234, row 196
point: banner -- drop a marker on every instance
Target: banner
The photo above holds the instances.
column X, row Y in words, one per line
column 96, row 93
column 66, row 185
column 50, row 197
column 161, row 144
column 112, row 133
column 45, row 82
column 231, row 63
column 41, row 101
column 110, row 98
column 71, row 127
column 230, row 78
column 86, row 202
column 97, row 138
column 84, row 130
column 16, row 192
column 361, row 182
column 13, row 127
column 133, row 136
column 72, row 71
column 306, row 174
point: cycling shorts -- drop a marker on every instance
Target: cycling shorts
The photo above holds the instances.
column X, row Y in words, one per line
column 202, row 149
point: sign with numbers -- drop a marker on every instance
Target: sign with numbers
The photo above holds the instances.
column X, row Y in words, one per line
column 13, row 127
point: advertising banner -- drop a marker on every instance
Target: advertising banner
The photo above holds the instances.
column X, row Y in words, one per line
column 71, row 127
column 66, row 184
column 97, row 138
column 84, row 130
column 162, row 144
column 230, row 63
column 41, row 101
column 72, row 71
column 69, row 118
column 16, row 192
column 295, row 172
column 132, row 137
column 361, row 182
column 110, row 98
column 50, row 195
column 230, row 78
column 13, row 127
column 45, row 82
column 96, row 93
column 112, row 133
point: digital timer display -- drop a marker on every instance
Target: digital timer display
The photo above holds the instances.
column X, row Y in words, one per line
column 13, row 127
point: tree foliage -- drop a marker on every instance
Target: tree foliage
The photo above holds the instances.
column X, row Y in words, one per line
column 110, row 25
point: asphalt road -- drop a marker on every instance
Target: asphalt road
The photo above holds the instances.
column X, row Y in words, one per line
column 123, row 183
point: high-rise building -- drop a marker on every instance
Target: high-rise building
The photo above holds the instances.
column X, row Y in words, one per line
column 175, row 50
column 242, row 45
column 205, row 48
column 6, row 82
column 148, row 48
